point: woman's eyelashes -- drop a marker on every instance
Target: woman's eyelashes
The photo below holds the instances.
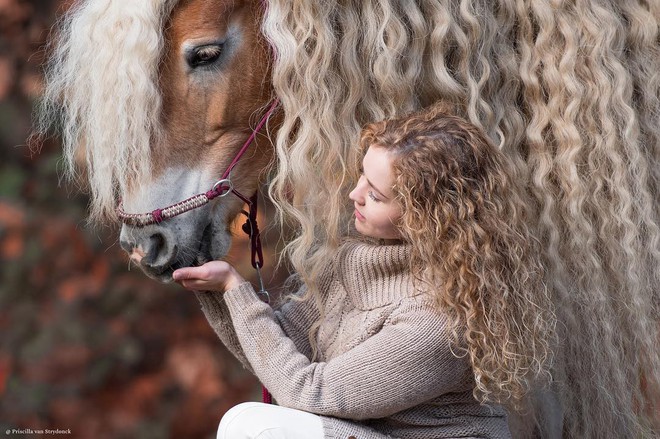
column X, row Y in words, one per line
column 370, row 193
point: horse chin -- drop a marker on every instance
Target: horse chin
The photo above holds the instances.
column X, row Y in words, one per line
column 164, row 276
column 216, row 240
column 159, row 251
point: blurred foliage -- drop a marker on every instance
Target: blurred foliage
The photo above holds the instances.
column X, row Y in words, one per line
column 86, row 344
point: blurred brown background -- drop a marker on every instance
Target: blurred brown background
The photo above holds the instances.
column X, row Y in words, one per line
column 86, row 344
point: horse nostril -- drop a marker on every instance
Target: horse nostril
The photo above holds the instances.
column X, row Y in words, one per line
column 156, row 243
column 154, row 249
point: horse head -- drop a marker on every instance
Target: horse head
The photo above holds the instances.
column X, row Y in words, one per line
column 211, row 93
column 176, row 88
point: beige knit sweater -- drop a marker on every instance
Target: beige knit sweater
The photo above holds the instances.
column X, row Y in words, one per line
column 385, row 366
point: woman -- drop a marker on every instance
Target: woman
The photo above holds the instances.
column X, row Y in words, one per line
column 425, row 323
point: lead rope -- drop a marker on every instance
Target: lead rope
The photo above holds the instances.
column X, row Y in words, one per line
column 251, row 228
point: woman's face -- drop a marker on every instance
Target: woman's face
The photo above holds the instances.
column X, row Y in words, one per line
column 376, row 210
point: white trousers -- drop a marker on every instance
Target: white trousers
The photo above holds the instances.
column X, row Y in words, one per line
column 256, row 420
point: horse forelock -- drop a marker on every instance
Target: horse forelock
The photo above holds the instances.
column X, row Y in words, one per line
column 102, row 90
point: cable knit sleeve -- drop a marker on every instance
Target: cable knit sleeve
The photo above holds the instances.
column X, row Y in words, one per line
column 295, row 318
column 216, row 312
column 408, row 362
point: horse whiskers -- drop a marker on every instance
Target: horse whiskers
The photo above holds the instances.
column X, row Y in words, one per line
column 195, row 255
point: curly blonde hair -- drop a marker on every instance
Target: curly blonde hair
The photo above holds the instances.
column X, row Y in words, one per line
column 464, row 215
column 569, row 92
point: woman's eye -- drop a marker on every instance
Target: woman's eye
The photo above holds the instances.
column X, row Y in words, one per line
column 204, row 55
column 372, row 196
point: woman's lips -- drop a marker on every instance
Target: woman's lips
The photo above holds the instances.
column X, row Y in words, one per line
column 359, row 216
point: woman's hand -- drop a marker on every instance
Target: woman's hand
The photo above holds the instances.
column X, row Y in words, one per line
column 212, row 276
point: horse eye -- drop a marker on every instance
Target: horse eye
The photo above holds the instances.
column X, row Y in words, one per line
column 204, row 55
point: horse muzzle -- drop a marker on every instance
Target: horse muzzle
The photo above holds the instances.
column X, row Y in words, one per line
column 154, row 249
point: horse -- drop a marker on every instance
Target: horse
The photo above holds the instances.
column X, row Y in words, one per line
column 156, row 98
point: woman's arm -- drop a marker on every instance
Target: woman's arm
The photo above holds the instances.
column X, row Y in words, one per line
column 408, row 362
column 207, row 282
column 217, row 314
column 295, row 317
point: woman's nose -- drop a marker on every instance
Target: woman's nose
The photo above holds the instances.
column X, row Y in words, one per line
column 359, row 191
column 355, row 195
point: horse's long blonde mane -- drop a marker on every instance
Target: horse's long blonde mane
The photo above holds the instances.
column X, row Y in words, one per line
column 102, row 91
column 570, row 90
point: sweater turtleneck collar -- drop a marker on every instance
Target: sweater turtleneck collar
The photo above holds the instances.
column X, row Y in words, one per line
column 375, row 273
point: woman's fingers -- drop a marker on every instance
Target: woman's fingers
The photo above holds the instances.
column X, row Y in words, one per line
column 196, row 285
column 212, row 275
column 188, row 273
column 204, row 272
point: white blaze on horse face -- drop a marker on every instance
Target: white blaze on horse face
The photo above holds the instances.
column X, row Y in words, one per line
column 171, row 186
